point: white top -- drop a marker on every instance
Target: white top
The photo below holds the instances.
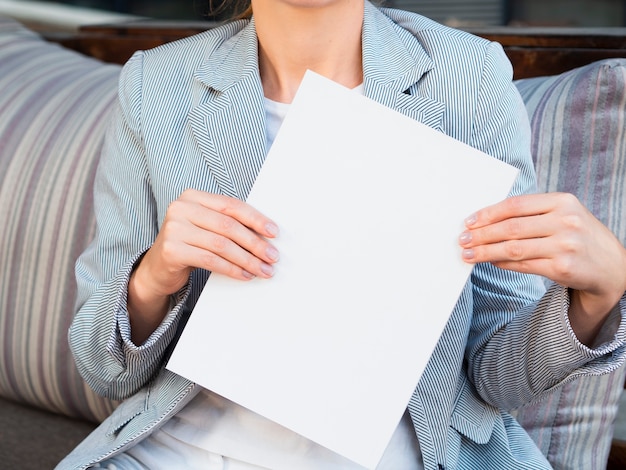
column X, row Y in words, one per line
column 214, row 424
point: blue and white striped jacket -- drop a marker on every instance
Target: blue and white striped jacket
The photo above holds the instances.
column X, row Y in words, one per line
column 191, row 114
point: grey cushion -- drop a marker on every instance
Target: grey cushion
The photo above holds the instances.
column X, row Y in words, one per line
column 578, row 124
column 53, row 112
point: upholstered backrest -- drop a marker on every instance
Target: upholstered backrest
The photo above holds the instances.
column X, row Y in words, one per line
column 53, row 110
column 578, row 124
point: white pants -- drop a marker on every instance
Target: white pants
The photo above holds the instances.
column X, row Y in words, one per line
column 214, row 433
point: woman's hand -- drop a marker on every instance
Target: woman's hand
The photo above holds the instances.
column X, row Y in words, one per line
column 555, row 236
column 201, row 230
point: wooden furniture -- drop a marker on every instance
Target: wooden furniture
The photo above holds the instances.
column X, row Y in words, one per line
column 533, row 51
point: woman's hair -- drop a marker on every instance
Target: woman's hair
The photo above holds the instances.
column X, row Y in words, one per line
column 229, row 9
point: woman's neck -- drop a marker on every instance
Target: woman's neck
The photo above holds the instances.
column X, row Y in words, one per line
column 295, row 35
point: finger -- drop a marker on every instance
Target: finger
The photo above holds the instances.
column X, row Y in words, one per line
column 541, row 266
column 509, row 251
column 520, row 206
column 217, row 249
column 228, row 237
column 239, row 210
column 560, row 270
column 211, row 261
column 517, row 228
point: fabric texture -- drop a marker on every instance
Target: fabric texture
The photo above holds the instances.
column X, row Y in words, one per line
column 54, row 105
column 578, row 122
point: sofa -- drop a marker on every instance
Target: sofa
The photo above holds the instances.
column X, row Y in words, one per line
column 54, row 103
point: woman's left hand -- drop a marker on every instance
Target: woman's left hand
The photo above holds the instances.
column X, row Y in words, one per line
column 555, row 236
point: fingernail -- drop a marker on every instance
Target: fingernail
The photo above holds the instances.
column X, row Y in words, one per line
column 468, row 254
column 465, row 237
column 471, row 220
column 272, row 229
column 267, row 269
column 248, row 275
column 272, row 253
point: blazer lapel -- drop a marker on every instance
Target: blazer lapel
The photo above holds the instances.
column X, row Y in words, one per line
column 229, row 126
column 393, row 63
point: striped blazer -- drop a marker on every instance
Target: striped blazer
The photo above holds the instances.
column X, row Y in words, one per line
column 191, row 114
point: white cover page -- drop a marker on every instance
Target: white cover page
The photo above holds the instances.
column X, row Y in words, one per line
column 370, row 204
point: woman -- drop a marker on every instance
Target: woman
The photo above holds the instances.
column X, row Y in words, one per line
column 195, row 120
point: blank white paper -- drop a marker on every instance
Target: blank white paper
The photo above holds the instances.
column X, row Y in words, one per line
column 370, row 204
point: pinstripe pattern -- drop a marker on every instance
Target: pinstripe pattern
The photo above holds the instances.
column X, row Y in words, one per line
column 191, row 114
column 573, row 427
column 53, row 103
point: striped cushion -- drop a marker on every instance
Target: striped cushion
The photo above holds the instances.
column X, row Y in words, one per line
column 53, row 107
column 579, row 146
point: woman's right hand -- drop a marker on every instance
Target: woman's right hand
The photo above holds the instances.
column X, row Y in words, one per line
column 201, row 230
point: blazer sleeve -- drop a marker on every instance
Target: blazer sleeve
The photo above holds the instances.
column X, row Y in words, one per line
column 126, row 226
column 519, row 347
